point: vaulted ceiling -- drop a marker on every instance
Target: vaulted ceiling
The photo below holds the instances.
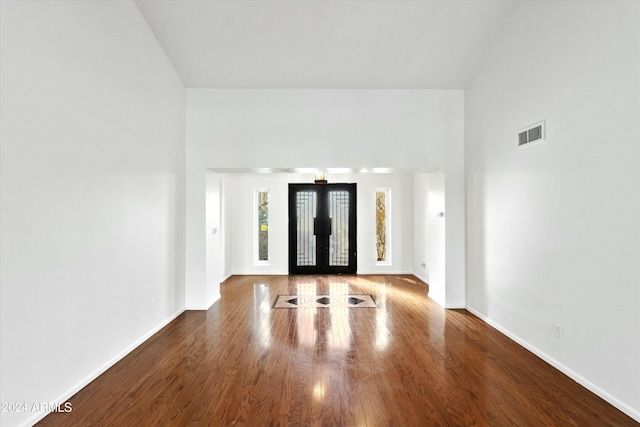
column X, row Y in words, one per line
column 337, row 44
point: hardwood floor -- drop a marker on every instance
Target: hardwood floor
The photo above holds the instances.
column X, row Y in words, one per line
column 405, row 363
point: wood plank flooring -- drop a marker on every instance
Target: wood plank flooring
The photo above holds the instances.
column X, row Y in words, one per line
column 405, row 363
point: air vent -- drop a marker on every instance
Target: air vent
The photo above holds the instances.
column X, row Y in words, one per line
column 531, row 134
column 522, row 138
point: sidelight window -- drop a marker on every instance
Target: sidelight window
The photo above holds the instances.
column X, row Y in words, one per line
column 383, row 221
column 262, row 226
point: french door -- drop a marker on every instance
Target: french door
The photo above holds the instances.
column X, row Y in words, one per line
column 322, row 228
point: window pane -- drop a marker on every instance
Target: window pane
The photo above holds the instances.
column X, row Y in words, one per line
column 263, row 225
column 305, row 234
column 339, row 237
column 381, row 226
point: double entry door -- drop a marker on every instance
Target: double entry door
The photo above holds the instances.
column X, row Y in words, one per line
column 322, row 228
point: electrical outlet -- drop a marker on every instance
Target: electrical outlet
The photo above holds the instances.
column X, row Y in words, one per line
column 423, row 265
column 154, row 304
column 558, row 332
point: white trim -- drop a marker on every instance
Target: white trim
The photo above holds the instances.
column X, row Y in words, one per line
column 559, row 366
column 38, row 416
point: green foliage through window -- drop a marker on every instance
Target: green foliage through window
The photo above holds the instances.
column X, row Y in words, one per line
column 263, row 225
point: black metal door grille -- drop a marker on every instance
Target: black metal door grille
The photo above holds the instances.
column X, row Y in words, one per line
column 322, row 228
column 339, row 236
column 305, row 220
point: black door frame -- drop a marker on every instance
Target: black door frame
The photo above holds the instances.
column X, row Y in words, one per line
column 322, row 225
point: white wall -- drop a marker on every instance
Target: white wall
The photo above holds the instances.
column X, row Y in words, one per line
column 454, row 192
column 92, row 199
column 244, row 128
column 241, row 197
column 401, row 216
column 420, row 227
column 214, row 235
column 226, row 232
column 554, row 228
column 430, row 233
column 321, row 128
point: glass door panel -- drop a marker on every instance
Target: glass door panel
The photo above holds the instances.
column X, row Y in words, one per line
column 306, row 203
column 339, row 230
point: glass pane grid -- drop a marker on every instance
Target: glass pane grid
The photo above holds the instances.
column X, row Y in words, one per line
column 305, row 218
column 339, row 238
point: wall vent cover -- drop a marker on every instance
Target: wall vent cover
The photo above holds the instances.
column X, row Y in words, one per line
column 533, row 133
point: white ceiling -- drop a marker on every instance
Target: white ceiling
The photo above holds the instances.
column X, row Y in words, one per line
column 336, row 44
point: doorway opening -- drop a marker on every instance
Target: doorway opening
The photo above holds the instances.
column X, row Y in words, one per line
column 322, row 229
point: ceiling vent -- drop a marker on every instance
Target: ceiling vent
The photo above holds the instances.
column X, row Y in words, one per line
column 533, row 133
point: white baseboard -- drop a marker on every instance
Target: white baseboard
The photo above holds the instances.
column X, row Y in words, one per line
column 359, row 272
column 383, row 272
column 214, row 299
column 633, row 413
column 206, row 306
column 95, row 374
column 261, row 273
column 422, row 279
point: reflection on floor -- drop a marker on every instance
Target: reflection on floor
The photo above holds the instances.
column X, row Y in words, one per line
column 406, row 362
